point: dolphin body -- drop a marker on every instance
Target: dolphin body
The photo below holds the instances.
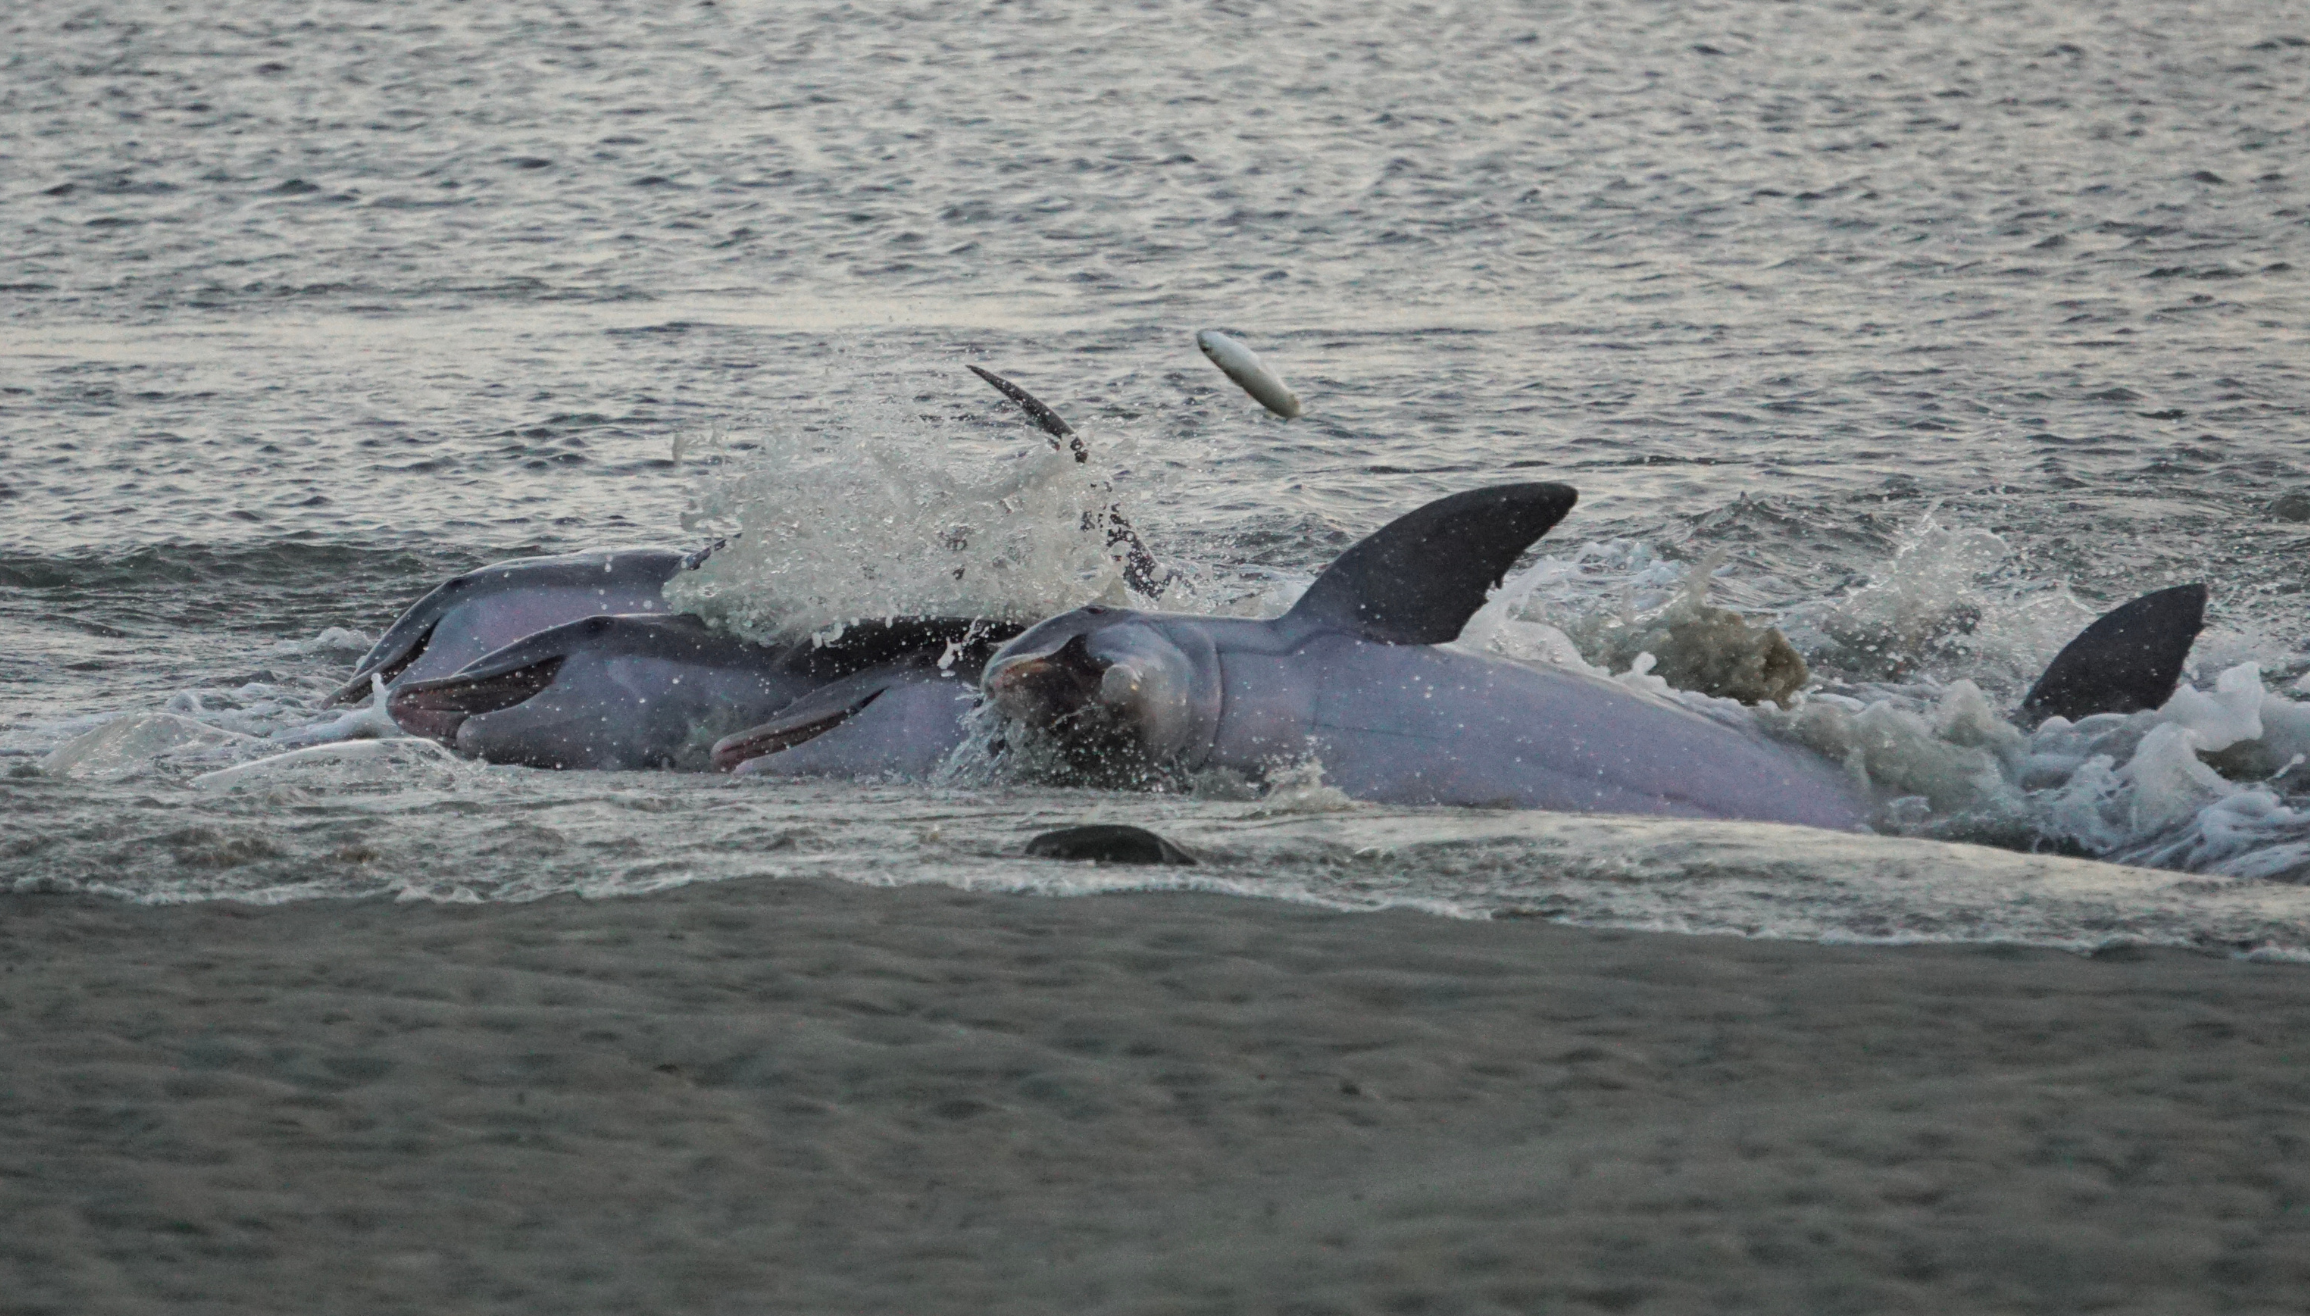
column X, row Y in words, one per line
column 1352, row 677
column 656, row 691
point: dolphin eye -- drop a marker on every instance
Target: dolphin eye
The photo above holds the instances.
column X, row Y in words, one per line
column 1094, row 611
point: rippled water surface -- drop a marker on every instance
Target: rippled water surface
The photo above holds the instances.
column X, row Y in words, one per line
column 308, row 308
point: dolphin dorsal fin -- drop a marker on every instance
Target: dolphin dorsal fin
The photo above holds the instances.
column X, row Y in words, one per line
column 1417, row 579
column 2127, row 661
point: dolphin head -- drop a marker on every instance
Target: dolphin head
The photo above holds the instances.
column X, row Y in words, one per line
column 1112, row 687
column 502, row 688
column 603, row 692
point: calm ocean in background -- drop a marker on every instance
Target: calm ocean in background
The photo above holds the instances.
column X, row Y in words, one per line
column 309, row 307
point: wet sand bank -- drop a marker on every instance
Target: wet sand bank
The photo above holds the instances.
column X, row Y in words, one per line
column 763, row 1095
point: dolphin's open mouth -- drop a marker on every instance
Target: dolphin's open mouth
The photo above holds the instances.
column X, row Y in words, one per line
column 1065, row 700
column 436, row 709
column 1047, row 690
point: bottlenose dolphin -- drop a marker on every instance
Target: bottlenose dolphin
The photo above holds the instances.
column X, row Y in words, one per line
column 656, row 691
column 1351, row 676
column 490, row 607
column 627, row 691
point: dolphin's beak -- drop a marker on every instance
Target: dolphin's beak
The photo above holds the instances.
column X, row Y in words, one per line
column 436, row 709
column 792, row 726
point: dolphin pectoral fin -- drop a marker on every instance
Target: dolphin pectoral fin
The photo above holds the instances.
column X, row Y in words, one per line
column 435, row 709
column 2128, row 660
column 1417, row 579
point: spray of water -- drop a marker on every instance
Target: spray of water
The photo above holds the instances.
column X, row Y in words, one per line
column 885, row 510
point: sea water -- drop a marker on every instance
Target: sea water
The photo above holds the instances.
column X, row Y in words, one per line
column 1921, row 336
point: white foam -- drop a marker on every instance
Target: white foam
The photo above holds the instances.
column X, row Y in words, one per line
column 361, row 762
column 367, row 721
column 2189, row 786
column 135, row 743
column 332, row 640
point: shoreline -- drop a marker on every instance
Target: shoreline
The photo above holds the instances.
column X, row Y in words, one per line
column 816, row 1096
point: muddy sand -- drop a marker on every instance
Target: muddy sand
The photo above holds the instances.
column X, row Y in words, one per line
column 761, row 1096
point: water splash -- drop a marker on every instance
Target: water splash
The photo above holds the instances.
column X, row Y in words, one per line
column 2215, row 782
column 883, row 510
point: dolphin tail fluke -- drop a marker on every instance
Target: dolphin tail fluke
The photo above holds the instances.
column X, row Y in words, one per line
column 1140, row 569
column 1042, row 415
column 1417, row 579
column 2129, row 660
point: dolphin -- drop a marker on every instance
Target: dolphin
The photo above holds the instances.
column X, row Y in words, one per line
column 490, row 607
column 587, row 674
column 657, row 690
column 1352, row 676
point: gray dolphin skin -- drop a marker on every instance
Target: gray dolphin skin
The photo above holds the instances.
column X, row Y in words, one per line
column 1351, row 676
column 657, row 691
column 900, row 720
column 897, row 711
column 490, row 607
